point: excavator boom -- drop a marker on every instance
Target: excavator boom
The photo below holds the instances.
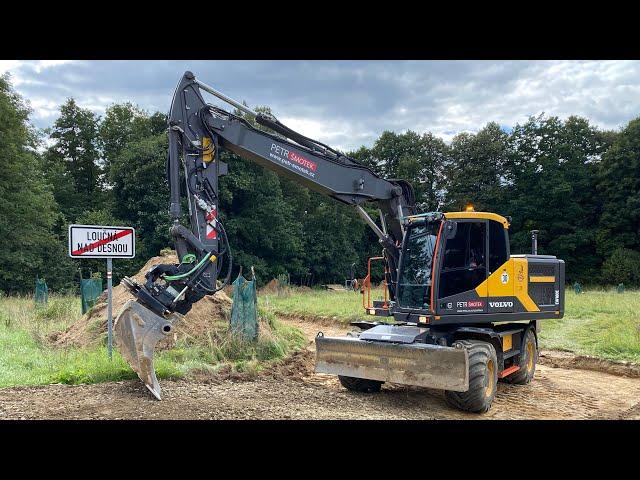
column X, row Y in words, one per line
column 198, row 131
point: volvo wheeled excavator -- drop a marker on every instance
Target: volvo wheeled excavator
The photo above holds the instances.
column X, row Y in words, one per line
column 461, row 312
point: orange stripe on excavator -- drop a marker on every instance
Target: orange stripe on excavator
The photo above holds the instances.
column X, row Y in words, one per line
column 433, row 265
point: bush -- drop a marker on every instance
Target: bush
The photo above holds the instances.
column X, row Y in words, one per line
column 623, row 266
column 57, row 309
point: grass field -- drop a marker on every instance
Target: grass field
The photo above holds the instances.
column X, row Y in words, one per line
column 600, row 323
column 26, row 358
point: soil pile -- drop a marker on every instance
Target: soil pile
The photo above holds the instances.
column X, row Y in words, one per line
column 92, row 327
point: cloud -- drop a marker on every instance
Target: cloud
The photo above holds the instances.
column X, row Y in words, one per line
column 350, row 103
column 8, row 65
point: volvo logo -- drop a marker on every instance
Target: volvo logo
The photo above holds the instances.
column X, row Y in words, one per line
column 501, row 304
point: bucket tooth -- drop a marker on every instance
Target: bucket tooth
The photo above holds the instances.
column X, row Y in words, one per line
column 138, row 330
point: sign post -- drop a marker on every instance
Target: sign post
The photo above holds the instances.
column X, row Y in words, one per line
column 109, row 317
column 95, row 241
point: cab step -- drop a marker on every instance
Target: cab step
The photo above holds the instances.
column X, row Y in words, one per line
column 508, row 371
column 379, row 310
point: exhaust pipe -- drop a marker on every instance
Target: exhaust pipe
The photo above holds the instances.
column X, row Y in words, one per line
column 138, row 330
column 534, row 241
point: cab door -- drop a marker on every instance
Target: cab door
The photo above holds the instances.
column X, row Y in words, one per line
column 500, row 282
column 463, row 267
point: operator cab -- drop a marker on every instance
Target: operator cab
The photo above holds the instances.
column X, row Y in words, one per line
column 446, row 258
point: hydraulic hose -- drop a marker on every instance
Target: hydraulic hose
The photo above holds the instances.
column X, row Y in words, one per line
column 183, row 275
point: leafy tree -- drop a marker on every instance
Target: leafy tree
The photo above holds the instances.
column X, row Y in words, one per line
column 552, row 173
column 390, row 147
column 419, row 159
column 61, row 270
column 124, row 123
column 332, row 233
column 618, row 186
column 365, row 156
column 73, row 160
column 26, row 201
column 622, row 266
column 261, row 224
column 476, row 169
column 423, row 165
column 139, row 182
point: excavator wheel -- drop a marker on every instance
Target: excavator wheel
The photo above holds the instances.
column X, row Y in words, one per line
column 528, row 360
column 360, row 384
column 483, row 378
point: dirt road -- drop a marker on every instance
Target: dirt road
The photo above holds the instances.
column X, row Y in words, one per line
column 292, row 391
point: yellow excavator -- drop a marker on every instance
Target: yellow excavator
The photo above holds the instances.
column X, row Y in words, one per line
column 460, row 311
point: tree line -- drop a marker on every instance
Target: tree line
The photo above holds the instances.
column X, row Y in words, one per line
column 577, row 184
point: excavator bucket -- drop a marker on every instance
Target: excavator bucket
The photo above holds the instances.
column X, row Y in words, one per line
column 431, row 366
column 138, row 330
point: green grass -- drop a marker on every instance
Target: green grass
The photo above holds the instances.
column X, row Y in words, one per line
column 340, row 306
column 26, row 358
column 221, row 349
column 602, row 323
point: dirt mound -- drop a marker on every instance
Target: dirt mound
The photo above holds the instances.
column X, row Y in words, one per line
column 559, row 359
column 298, row 366
column 91, row 328
column 228, row 290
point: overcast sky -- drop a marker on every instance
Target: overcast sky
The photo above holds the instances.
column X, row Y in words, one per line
column 350, row 103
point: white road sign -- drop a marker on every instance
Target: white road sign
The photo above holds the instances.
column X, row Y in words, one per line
column 95, row 241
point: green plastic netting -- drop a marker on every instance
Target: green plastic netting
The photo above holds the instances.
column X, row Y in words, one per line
column 244, row 311
column 90, row 290
column 42, row 291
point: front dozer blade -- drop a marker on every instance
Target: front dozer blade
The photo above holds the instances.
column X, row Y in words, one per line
column 431, row 366
column 138, row 330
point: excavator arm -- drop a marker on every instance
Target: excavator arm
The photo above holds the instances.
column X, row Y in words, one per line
column 198, row 132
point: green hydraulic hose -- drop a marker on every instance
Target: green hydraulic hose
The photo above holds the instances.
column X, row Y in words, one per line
column 182, row 275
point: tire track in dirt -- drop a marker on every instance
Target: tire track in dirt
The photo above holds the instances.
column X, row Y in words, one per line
column 291, row 390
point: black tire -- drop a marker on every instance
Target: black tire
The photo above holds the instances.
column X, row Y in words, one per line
column 528, row 361
column 483, row 378
column 360, row 384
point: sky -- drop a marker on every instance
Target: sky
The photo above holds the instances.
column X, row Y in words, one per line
column 347, row 104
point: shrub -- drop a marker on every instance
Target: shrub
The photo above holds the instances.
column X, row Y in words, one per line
column 623, row 266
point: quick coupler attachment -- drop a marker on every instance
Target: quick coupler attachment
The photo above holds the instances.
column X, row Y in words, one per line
column 420, row 364
column 138, row 330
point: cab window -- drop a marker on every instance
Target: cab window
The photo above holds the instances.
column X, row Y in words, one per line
column 498, row 246
column 464, row 265
column 415, row 277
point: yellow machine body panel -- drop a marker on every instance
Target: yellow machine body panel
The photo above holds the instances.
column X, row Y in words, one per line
column 521, row 286
column 500, row 283
column 510, row 280
column 477, row 215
